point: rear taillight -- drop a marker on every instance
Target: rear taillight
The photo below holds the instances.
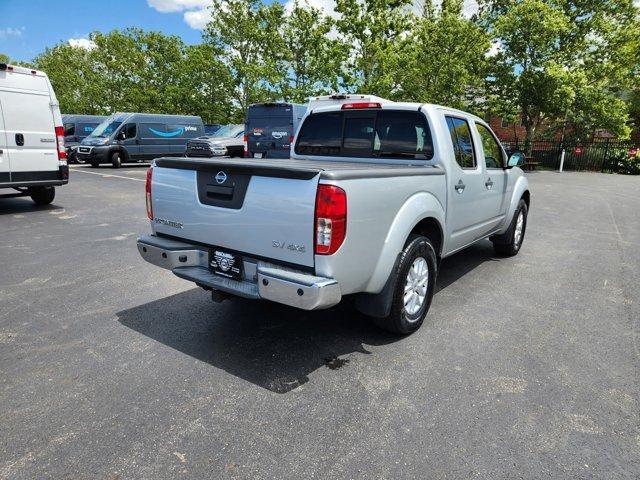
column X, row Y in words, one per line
column 330, row 219
column 147, row 188
column 62, row 152
column 245, row 140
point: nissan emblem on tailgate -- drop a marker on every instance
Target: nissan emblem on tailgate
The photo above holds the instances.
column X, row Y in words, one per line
column 221, row 177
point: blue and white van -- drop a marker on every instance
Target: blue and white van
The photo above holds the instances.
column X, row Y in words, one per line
column 76, row 129
column 138, row 137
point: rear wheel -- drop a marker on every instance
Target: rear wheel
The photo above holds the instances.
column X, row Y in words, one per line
column 42, row 195
column 508, row 244
column 116, row 159
column 414, row 286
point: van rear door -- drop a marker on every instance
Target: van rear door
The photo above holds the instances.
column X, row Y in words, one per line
column 29, row 123
column 269, row 130
column 5, row 165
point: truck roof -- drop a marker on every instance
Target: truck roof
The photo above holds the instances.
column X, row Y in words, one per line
column 327, row 105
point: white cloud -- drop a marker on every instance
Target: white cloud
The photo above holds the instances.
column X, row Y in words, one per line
column 197, row 19
column 11, row 32
column 196, row 12
column 167, row 6
column 82, row 43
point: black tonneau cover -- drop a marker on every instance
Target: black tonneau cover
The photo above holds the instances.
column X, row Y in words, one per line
column 300, row 169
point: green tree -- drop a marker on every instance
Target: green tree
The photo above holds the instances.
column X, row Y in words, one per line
column 557, row 61
column 246, row 33
column 310, row 61
column 374, row 33
column 445, row 58
column 4, row 58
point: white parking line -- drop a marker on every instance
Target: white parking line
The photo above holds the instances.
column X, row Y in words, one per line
column 107, row 175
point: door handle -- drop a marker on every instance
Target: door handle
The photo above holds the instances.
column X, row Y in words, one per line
column 460, row 186
column 19, row 139
column 489, row 184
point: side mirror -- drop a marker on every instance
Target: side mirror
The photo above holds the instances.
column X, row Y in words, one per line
column 121, row 135
column 515, row 160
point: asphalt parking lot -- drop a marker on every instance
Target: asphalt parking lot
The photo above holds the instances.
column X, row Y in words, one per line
column 526, row 367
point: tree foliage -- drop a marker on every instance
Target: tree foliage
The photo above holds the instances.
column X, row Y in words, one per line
column 571, row 64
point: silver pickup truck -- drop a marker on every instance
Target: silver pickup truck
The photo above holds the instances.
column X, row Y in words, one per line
column 374, row 196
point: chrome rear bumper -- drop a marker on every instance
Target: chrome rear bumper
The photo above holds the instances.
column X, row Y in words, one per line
column 261, row 280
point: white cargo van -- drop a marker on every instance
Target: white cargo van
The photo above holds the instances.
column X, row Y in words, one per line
column 33, row 159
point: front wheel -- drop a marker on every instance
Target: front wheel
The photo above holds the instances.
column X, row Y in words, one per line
column 414, row 286
column 116, row 159
column 508, row 244
column 42, row 195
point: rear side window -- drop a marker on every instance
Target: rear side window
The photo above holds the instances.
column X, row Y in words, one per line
column 462, row 142
column 368, row 133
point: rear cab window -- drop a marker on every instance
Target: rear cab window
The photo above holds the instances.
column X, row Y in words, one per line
column 388, row 134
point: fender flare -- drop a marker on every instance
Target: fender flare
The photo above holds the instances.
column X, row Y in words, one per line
column 521, row 186
column 416, row 208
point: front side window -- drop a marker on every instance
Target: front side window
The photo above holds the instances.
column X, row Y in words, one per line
column 69, row 129
column 391, row 134
column 492, row 151
column 462, row 142
column 129, row 130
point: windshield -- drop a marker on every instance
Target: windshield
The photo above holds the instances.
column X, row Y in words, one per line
column 228, row 131
column 106, row 128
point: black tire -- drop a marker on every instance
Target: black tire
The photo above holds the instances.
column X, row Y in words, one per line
column 42, row 195
column 116, row 159
column 400, row 320
column 94, row 163
column 507, row 244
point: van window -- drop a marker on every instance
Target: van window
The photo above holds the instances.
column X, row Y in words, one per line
column 374, row 133
column 129, row 130
column 69, row 129
column 105, row 129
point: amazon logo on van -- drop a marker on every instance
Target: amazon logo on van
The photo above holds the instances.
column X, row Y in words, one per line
column 174, row 133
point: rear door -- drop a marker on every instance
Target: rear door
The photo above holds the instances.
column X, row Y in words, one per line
column 269, row 131
column 5, row 164
column 29, row 125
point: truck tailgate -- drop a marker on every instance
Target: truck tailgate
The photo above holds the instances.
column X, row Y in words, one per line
column 244, row 207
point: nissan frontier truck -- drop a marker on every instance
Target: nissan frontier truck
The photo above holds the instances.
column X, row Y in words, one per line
column 374, row 195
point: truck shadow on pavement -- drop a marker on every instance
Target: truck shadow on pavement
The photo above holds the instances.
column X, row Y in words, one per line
column 271, row 345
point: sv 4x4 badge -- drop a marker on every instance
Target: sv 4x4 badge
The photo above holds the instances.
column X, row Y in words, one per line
column 292, row 246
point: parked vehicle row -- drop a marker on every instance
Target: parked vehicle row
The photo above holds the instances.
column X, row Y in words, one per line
column 138, row 137
column 227, row 141
column 33, row 158
column 374, row 195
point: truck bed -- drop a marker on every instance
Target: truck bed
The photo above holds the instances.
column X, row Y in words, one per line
column 301, row 169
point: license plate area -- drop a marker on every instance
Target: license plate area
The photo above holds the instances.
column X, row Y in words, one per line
column 225, row 264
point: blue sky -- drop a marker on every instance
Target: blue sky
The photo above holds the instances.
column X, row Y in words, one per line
column 27, row 27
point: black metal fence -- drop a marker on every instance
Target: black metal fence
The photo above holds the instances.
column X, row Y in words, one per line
column 600, row 156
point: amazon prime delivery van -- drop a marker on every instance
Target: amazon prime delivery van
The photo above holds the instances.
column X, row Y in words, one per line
column 270, row 128
column 76, row 129
column 138, row 137
column 33, row 159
